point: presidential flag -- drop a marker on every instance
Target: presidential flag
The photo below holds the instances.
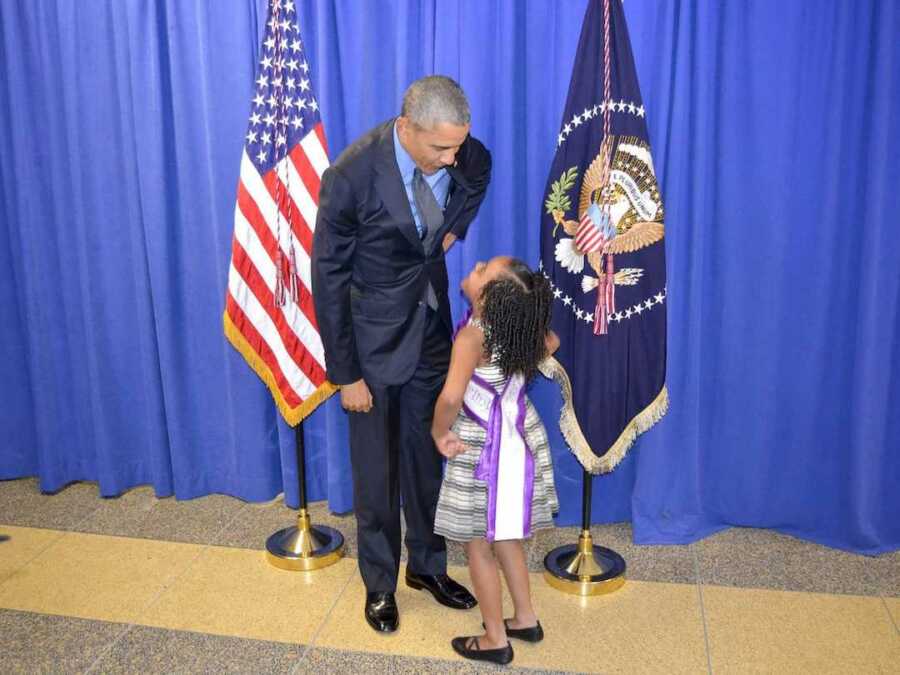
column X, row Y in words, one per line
column 269, row 316
column 602, row 250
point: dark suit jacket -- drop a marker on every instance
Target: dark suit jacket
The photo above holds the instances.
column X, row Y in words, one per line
column 370, row 270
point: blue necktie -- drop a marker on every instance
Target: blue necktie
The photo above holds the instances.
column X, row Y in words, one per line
column 430, row 215
column 430, row 220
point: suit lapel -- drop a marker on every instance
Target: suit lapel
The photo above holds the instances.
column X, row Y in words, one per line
column 390, row 188
column 455, row 205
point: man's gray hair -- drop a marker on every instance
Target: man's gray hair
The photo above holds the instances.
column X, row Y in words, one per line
column 435, row 99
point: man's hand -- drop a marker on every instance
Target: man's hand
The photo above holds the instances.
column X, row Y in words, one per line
column 449, row 444
column 356, row 396
column 552, row 342
column 449, row 240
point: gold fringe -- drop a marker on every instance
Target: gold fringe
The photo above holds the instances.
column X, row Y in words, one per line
column 571, row 430
column 293, row 416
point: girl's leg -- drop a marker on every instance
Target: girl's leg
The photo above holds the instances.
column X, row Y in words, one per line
column 515, row 569
column 486, row 581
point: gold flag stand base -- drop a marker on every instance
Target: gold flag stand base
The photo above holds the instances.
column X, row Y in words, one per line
column 583, row 568
column 302, row 547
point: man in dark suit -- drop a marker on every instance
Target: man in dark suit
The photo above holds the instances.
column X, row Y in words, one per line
column 389, row 208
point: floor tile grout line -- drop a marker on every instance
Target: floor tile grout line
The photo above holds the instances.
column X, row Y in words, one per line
column 108, row 648
column 165, row 587
column 890, row 615
column 40, row 552
column 699, row 582
column 315, row 636
column 88, row 515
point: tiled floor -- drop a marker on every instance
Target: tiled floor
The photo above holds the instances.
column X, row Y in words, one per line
column 138, row 584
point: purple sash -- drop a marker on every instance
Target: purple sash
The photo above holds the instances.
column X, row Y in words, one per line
column 506, row 463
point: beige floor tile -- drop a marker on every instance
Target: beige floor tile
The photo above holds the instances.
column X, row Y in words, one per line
column 645, row 627
column 425, row 626
column 23, row 544
column 236, row 592
column 96, row 577
column 754, row 630
column 893, row 605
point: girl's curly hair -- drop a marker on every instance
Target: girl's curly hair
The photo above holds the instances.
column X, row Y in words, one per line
column 516, row 318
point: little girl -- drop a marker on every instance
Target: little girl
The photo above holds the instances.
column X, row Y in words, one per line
column 498, row 485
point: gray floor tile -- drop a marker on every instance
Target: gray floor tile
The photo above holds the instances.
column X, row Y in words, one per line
column 22, row 503
column 672, row 564
column 320, row 660
column 885, row 573
column 155, row 650
column 456, row 554
column 40, row 643
column 755, row 558
column 138, row 513
column 255, row 523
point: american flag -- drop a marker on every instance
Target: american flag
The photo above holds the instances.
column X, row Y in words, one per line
column 269, row 316
column 588, row 237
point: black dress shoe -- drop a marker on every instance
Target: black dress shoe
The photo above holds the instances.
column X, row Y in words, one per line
column 443, row 588
column 469, row 648
column 530, row 634
column 381, row 612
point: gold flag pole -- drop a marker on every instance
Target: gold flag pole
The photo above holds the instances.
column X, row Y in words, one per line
column 303, row 547
column 584, row 568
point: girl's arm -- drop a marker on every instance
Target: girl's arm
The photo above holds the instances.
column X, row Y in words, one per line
column 464, row 358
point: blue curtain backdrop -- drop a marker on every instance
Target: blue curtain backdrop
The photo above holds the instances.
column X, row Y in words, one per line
column 775, row 129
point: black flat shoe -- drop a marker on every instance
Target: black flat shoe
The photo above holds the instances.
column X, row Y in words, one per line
column 381, row 612
column 468, row 648
column 443, row 588
column 531, row 634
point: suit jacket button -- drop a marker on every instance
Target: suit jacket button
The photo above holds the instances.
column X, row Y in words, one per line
column 421, row 302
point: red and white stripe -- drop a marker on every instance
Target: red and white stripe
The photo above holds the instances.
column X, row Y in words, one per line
column 588, row 237
column 285, row 338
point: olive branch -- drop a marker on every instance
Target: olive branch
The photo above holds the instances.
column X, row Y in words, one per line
column 558, row 201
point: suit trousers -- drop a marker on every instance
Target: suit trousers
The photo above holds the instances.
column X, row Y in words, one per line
column 392, row 456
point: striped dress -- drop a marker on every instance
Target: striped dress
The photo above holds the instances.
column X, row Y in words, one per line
column 462, row 505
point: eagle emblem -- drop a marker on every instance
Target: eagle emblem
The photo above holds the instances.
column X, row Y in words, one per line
column 619, row 211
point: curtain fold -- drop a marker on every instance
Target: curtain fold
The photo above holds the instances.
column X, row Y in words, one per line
column 774, row 128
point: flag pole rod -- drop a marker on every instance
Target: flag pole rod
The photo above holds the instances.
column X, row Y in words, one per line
column 586, row 487
column 584, row 568
column 303, row 547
